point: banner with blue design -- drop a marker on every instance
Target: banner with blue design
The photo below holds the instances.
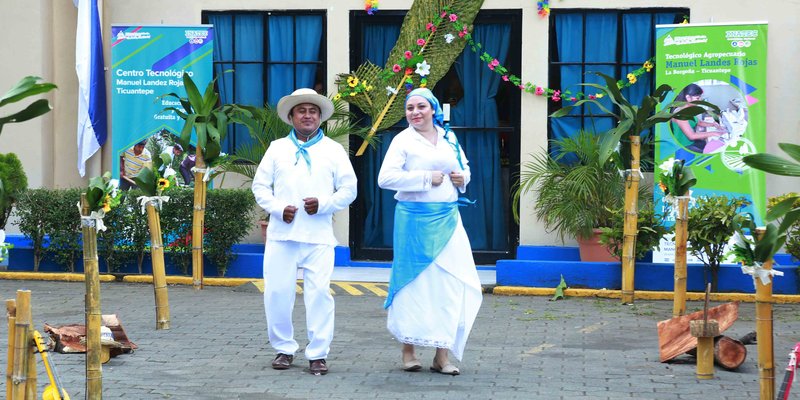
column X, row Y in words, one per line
column 726, row 65
column 147, row 62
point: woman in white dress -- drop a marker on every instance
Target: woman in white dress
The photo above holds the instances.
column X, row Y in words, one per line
column 434, row 291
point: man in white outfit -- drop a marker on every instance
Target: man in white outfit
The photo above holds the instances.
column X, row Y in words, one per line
column 302, row 180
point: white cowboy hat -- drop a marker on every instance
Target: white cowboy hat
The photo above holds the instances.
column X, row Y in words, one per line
column 301, row 96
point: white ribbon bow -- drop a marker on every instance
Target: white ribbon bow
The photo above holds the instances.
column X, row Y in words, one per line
column 156, row 200
column 206, row 172
column 764, row 275
column 672, row 201
column 625, row 172
column 93, row 220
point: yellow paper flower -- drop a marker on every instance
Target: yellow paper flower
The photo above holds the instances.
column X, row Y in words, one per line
column 352, row 81
column 648, row 66
column 600, row 95
column 631, row 78
column 662, row 187
column 352, row 94
column 338, row 96
column 106, row 207
column 163, row 184
column 369, row 87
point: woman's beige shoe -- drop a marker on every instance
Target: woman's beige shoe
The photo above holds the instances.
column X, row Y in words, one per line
column 412, row 365
column 447, row 369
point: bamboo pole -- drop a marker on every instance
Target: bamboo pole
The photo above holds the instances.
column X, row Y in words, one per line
column 22, row 325
column 764, row 346
column 30, row 387
column 198, row 220
column 631, row 216
column 94, row 372
column 681, row 234
column 159, row 274
column 11, row 313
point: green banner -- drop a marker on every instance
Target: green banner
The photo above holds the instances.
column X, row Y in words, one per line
column 725, row 65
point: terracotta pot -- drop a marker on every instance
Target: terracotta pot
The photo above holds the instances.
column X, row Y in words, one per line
column 592, row 250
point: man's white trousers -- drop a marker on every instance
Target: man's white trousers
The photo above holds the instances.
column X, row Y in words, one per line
column 282, row 259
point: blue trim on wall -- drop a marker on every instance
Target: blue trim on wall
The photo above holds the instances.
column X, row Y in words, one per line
column 541, row 266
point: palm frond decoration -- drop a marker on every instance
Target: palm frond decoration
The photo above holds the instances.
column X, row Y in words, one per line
column 427, row 38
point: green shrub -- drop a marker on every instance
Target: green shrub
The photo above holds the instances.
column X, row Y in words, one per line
column 793, row 233
column 651, row 230
column 50, row 213
column 13, row 182
column 710, row 226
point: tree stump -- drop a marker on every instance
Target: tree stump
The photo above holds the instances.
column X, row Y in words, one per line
column 729, row 353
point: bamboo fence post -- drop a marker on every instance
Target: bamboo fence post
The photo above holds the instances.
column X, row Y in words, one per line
column 11, row 312
column 94, row 372
column 22, row 325
column 159, row 273
column 681, row 234
column 198, row 220
column 631, row 216
column 764, row 346
column 30, row 387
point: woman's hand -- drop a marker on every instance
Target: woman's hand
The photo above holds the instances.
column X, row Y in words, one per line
column 457, row 178
column 437, row 177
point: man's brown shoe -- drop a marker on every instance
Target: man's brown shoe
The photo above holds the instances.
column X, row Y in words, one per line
column 318, row 367
column 282, row 361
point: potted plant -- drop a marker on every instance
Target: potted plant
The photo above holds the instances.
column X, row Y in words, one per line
column 711, row 224
column 576, row 191
column 26, row 87
column 13, row 182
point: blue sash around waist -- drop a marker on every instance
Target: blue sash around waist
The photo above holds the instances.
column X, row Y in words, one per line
column 421, row 231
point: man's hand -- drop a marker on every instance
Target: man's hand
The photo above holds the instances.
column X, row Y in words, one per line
column 311, row 205
column 457, row 178
column 288, row 214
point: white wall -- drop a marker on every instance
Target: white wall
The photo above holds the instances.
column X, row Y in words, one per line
column 38, row 38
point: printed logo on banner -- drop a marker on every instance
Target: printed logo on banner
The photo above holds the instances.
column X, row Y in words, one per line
column 138, row 35
column 681, row 40
column 196, row 36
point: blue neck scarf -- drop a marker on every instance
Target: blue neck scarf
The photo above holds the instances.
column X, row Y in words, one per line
column 302, row 148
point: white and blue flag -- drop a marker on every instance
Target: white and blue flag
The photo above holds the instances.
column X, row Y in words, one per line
column 92, row 121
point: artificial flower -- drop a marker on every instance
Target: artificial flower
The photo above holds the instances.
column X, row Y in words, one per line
column 463, row 32
column 409, row 71
column 448, row 38
column 352, row 81
column 666, row 166
column 352, row 94
column 505, row 78
column 522, row 87
column 396, row 68
column 443, row 14
column 409, row 86
column 539, row 91
column 368, row 88
column 423, row 68
column 453, row 18
column 648, row 65
column 592, row 97
column 420, row 42
column 600, row 95
column 408, row 55
column 390, row 91
column 430, row 27
column 338, row 96
column 631, row 78
column 422, row 85
column 572, row 99
column 163, row 183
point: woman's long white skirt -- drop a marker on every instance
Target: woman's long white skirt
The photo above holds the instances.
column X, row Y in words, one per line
column 438, row 308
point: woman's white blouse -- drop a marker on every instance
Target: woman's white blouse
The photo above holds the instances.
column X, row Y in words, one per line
column 410, row 162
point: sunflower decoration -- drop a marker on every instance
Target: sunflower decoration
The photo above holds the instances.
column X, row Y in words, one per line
column 103, row 193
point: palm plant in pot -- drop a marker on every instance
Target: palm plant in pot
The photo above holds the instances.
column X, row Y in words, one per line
column 576, row 190
column 13, row 182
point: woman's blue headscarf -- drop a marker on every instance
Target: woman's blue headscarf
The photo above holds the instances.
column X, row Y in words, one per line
column 438, row 114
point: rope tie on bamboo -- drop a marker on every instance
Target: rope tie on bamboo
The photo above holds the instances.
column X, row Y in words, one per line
column 762, row 274
column 156, row 201
column 672, row 202
column 93, row 220
column 207, row 171
column 626, row 172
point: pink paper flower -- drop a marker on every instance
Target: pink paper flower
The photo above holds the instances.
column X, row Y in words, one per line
column 505, row 78
column 539, row 91
column 592, row 97
column 430, row 27
column 408, row 55
column 495, row 63
column 491, row 67
column 444, row 14
column 453, row 18
column 409, row 71
column 396, row 68
column 420, row 42
column 522, row 87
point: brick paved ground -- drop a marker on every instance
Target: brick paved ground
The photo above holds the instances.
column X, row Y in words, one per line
column 520, row 348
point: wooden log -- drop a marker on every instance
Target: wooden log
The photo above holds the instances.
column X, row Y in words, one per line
column 729, row 353
column 629, row 228
column 674, row 337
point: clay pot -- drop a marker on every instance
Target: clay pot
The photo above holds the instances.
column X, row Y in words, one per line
column 592, row 250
